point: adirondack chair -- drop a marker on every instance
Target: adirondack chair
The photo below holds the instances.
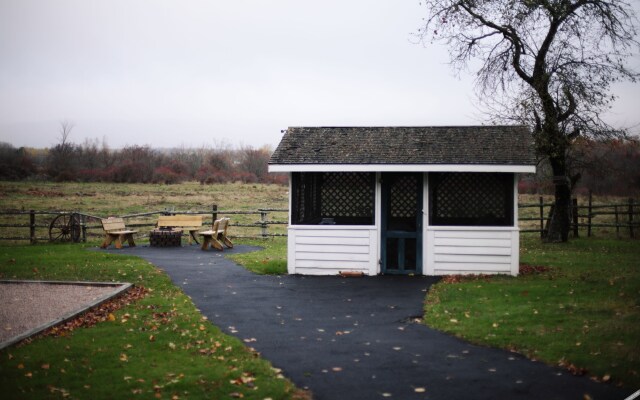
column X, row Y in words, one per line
column 115, row 230
column 216, row 237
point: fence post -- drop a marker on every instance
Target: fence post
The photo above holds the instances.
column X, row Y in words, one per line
column 589, row 216
column 83, row 227
column 263, row 223
column 631, row 218
column 32, row 226
column 615, row 210
column 214, row 213
column 541, row 218
column 575, row 217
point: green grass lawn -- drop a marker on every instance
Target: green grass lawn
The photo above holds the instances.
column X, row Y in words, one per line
column 157, row 347
column 583, row 314
column 270, row 261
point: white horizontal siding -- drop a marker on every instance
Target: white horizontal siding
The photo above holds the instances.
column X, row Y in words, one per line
column 344, row 256
column 462, row 250
column 481, row 259
column 335, row 248
column 333, row 240
column 473, row 250
column 320, row 250
column 489, row 243
column 473, row 234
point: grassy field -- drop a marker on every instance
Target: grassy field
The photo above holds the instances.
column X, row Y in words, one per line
column 157, row 347
column 583, row 313
column 106, row 199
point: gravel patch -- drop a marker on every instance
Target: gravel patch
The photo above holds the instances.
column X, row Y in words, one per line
column 28, row 307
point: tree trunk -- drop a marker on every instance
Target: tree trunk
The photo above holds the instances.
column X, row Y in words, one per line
column 560, row 222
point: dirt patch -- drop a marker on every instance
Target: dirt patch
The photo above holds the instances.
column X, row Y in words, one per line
column 29, row 307
column 44, row 193
column 526, row 269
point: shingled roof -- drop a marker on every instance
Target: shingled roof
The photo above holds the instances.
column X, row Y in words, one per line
column 470, row 145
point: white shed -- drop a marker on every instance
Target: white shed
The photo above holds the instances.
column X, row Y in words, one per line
column 404, row 200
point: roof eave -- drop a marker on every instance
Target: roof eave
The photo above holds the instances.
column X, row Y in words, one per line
column 521, row 169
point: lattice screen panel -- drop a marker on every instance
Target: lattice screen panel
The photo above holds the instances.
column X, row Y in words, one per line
column 471, row 198
column 347, row 194
column 342, row 198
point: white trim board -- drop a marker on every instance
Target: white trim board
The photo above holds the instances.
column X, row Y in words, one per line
column 401, row 168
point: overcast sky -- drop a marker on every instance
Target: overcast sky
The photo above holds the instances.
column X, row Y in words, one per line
column 193, row 73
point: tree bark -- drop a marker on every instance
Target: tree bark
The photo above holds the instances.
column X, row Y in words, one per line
column 560, row 222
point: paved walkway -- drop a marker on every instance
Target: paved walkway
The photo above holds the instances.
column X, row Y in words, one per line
column 351, row 338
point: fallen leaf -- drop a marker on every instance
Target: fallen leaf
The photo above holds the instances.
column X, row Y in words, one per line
column 44, row 366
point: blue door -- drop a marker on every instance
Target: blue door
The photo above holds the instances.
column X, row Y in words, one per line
column 401, row 251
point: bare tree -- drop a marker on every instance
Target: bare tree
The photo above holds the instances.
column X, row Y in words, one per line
column 60, row 160
column 549, row 63
column 65, row 131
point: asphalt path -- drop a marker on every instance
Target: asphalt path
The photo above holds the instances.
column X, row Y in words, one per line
column 356, row 338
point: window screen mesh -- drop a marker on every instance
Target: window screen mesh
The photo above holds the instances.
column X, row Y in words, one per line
column 343, row 198
column 483, row 199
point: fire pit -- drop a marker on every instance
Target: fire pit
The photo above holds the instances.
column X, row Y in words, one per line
column 165, row 238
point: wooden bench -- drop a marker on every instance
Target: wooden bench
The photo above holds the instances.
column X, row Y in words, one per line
column 115, row 230
column 217, row 236
column 191, row 223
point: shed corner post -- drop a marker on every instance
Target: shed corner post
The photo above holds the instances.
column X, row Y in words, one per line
column 516, row 195
column 291, row 251
column 515, row 253
column 515, row 235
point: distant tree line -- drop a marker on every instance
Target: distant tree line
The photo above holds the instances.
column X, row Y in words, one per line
column 92, row 161
column 604, row 167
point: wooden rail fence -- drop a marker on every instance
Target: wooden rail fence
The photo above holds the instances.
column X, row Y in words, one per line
column 623, row 217
column 43, row 226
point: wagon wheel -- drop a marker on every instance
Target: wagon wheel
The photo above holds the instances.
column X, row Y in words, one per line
column 65, row 228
